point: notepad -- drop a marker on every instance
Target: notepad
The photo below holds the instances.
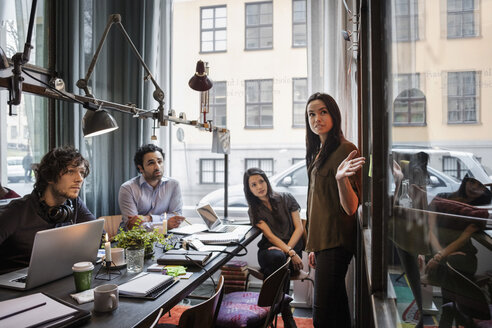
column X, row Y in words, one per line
column 145, row 284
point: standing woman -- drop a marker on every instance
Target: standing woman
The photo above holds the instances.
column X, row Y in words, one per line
column 276, row 214
column 333, row 198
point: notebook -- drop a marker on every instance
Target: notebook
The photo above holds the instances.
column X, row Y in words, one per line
column 54, row 252
column 146, row 285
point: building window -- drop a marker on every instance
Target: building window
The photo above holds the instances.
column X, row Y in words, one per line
column 461, row 19
column 454, row 167
column 266, row 164
column 259, row 103
column 259, row 25
column 299, row 18
column 410, row 104
column 407, row 20
column 299, row 97
column 211, row 171
column 213, row 29
column 296, row 160
column 462, row 97
column 218, row 103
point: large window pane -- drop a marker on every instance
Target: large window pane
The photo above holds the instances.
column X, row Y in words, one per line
column 259, row 21
column 440, row 169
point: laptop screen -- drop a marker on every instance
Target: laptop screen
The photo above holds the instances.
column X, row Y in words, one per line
column 208, row 215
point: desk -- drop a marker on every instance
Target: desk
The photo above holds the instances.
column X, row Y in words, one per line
column 133, row 312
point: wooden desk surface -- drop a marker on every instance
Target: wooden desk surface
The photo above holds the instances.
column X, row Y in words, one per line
column 133, row 312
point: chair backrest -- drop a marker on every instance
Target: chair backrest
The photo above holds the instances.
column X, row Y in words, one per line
column 272, row 291
column 204, row 314
column 466, row 295
column 111, row 225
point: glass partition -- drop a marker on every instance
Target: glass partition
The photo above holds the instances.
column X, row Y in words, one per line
column 440, row 80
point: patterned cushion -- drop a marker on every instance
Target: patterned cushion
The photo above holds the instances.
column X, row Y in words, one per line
column 240, row 309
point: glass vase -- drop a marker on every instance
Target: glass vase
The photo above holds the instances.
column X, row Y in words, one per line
column 134, row 259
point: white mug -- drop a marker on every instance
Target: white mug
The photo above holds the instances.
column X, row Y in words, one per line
column 106, row 298
column 118, row 256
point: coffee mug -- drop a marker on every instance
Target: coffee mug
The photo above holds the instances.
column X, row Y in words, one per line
column 118, row 256
column 106, row 298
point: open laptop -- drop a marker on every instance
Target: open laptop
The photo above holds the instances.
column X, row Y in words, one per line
column 215, row 224
column 54, row 252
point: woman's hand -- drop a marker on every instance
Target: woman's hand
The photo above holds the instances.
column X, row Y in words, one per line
column 297, row 262
column 312, row 260
column 349, row 165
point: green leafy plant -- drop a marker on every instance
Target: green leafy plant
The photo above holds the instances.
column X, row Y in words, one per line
column 138, row 237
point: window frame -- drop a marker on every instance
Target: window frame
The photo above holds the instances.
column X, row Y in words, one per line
column 260, row 166
column 259, row 26
column 461, row 97
column 413, row 20
column 412, row 83
column 299, row 102
column 214, row 171
column 461, row 13
column 259, row 103
column 294, row 23
column 213, row 105
column 213, row 29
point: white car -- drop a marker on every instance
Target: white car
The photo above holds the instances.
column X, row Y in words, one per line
column 295, row 181
column 15, row 170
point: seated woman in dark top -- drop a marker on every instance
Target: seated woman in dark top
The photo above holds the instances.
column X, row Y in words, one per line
column 276, row 214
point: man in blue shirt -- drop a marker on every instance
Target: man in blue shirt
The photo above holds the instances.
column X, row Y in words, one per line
column 146, row 197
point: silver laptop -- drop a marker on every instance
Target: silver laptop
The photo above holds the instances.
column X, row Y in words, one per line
column 214, row 223
column 54, row 252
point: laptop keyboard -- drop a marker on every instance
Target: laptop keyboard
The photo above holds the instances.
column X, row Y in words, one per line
column 22, row 279
column 227, row 229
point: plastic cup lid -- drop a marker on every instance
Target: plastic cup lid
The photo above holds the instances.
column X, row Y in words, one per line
column 83, row 266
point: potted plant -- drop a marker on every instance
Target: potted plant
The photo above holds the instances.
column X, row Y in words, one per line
column 138, row 237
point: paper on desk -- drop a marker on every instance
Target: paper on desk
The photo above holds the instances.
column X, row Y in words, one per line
column 48, row 312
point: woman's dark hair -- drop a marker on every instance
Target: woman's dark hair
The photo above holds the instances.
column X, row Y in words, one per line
column 483, row 199
column 252, row 200
column 55, row 164
column 335, row 136
column 141, row 151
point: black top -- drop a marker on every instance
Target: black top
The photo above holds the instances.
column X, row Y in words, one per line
column 20, row 221
column 279, row 220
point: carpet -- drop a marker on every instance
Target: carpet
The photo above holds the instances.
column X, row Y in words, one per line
column 178, row 309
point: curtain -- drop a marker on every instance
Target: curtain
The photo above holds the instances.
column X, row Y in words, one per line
column 331, row 67
column 117, row 77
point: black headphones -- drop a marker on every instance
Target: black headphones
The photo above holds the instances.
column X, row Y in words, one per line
column 58, row 214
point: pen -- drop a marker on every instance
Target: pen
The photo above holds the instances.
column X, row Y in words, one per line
column 22, row 311
column 184, row 218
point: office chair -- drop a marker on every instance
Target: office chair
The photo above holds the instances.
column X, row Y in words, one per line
column 253, row 309
column 468, row 307
column 202, row 315
column 295, row 275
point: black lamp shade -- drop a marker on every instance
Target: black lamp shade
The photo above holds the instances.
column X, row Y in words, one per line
column 98, row 122
column 200, row 81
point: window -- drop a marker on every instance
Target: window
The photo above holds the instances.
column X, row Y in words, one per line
column 299, row 97
column 259, row 103
column 407, row 24
column 296, row 160
column 410, row 104
column 299, row 30
column 259, row 25
column 266, row 164
column 461, row 19
column 454, row 167
column 213, row 29
column 462, row 97
column 211, row 171
column 218, row 103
